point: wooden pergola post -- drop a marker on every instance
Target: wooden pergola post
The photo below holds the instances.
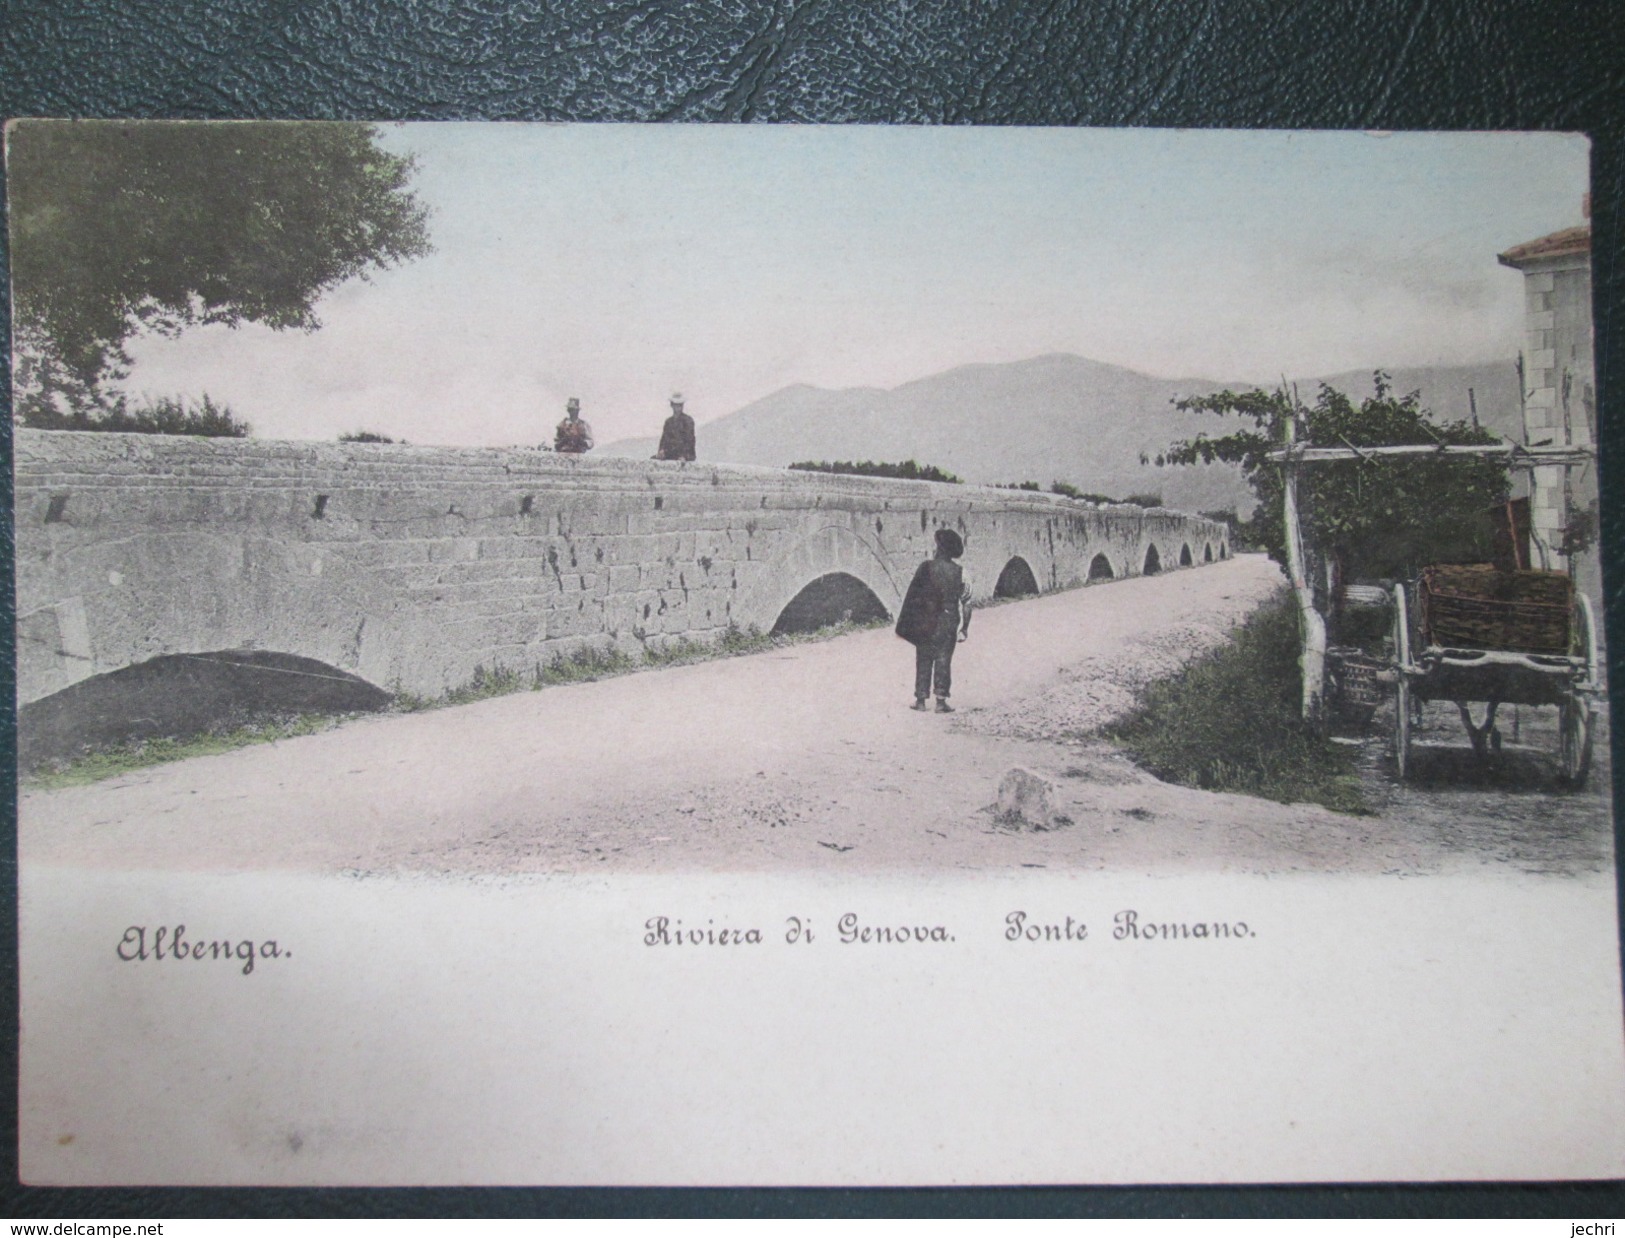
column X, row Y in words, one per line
column 1311, row 624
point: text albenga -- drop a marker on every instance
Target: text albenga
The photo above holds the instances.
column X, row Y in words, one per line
column 133, row 947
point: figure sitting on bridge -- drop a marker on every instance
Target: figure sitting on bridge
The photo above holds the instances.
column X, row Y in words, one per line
column 677, row 439
column 934, row 618
column 574, row 436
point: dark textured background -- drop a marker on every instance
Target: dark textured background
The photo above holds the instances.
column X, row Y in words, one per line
column 1335, row 64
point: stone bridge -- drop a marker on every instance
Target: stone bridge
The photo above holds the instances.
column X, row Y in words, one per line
column 419, row 568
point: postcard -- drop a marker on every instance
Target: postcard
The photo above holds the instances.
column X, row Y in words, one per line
column 824, row 655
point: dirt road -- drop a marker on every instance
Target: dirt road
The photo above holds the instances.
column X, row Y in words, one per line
column 800, row 758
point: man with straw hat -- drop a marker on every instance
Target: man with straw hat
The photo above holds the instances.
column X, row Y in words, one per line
column 573, row 436
column 677, row 439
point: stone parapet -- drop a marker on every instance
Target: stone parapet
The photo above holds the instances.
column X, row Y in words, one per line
column 417, row 567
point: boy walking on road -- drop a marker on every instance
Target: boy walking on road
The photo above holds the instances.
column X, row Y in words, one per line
column 935, row 617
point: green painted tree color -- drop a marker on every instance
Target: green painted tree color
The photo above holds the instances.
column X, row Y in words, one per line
column 1380, row 517
column 124, row 226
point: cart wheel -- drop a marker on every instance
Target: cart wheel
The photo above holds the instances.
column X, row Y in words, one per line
column 1402, row 685
column 1586, row 636
column 1575, row 714
column 1402, row 726
column 1574, row 743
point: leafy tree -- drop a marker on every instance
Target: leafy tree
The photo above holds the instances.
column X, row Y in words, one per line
column 908, row 470
column 168, row 415
column 1068, row 491
column 1379, row 517
column 364, row 436
column 123, row 226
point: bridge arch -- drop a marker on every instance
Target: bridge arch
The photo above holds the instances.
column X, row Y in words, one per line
column 1100, row 568
column 1153, row 561
column 829, row 550
column 1207, row 553
column 1016, row 580
column 1185, row 555
column 180, row 695
column 835, row 597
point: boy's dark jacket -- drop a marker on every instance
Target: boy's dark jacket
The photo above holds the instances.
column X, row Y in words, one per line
column 923, row 606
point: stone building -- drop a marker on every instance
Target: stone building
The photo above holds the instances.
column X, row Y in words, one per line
column 1560, row 395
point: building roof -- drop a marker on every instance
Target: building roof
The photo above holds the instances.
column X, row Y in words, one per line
column 1569, row 243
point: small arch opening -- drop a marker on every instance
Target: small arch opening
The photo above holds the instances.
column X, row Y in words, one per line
column 1100, row 568
column 833, row 598
column 1224, row 551
column 1016, row 581
column 185, row 694
column 1185, row 559
column 1207, row 553
column 1153, row 562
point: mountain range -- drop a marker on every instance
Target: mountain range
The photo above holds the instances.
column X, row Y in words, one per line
column 1053, row 418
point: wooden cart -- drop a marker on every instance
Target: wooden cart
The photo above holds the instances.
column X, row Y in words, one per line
column 1483, row 672
column 1455, row 640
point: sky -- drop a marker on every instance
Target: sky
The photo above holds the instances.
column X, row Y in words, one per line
column 618, row 263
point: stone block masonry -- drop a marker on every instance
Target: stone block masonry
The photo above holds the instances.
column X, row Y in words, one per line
column 417, row 567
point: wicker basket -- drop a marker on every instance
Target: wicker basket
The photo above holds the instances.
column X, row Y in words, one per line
column 1479, row 606
column 1354, row 679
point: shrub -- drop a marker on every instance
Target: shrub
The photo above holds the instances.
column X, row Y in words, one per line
column 168, row 415
column 1063, row 488
column 1231, row 721
column 906, row 471
column 1067, row 490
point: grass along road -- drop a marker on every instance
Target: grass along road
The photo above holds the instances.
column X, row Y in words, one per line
column 799, row 758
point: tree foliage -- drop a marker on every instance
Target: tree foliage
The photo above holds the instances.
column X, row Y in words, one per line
column 166, row 415
column 908, row 470
column 1379, row 517
column 1068, row 491
column 123, row 226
